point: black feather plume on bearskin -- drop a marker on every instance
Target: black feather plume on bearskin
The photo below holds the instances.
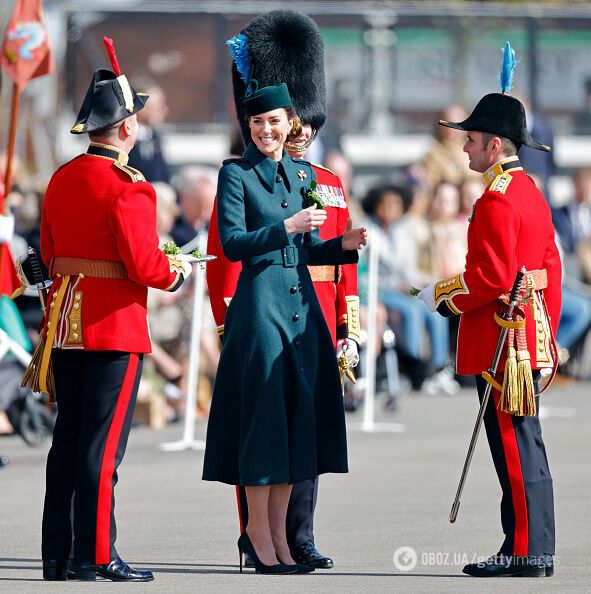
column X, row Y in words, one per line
column 285, row 46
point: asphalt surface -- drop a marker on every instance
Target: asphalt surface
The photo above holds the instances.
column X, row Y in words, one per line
column 398, row 494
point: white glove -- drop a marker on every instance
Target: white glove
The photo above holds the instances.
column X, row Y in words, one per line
column 349, row 347
column 182, row 264
column 6, row 228
column 427, row 296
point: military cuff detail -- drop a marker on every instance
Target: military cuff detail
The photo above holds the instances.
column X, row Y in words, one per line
column 449, row 288
column 353, row 323
column 447, row 309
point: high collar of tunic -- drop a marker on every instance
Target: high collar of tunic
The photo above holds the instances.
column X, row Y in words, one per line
column 268, row 170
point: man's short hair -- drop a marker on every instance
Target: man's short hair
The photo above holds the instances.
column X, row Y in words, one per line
column 510, row 147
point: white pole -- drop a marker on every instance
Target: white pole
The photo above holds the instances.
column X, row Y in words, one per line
column 370, row 350
column 188, row 440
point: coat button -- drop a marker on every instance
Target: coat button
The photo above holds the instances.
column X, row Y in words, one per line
column 297, row 342
column 278, row 179
column 295, row 317
column 293, row 289
column 284, row 204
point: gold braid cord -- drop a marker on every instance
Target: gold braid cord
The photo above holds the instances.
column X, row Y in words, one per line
column 517, row 392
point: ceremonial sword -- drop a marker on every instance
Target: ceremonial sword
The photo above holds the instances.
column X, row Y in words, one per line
column 38, row 277
column 506, row 315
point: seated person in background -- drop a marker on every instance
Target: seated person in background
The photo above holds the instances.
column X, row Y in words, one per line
column 448, row 239
column 391, row 236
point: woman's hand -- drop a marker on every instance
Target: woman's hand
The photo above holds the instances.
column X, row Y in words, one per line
column 354, row 239
column 306, row 220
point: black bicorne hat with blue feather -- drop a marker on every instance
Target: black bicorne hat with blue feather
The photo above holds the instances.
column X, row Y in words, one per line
column 281, row 46
column 500, row 113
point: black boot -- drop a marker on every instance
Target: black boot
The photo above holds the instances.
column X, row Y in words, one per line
column 507, row 566
column 117, row 571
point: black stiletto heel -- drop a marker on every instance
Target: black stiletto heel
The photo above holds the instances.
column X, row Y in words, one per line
column 245, row 546
column 240, row 554
column 298, row 567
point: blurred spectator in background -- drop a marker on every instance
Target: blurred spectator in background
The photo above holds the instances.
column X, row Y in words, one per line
column 418, row 225
column 196, row 188
column 391, row 235
column 538, row 163
column 338, row 163
column 582, row 121
column 147, row 155
column 573, row 224
column 448, row 240
column 470, row 191
column 446, row 160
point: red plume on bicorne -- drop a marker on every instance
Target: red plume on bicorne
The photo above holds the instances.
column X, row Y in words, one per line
column 112, row 57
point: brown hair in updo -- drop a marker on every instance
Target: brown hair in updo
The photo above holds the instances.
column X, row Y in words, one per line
column 296, row 128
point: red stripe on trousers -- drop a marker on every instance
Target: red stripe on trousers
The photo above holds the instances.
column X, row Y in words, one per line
column 513, row 462
column 105, row 490
column 238, row 501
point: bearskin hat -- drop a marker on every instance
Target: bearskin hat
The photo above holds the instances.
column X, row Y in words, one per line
column 285, row 46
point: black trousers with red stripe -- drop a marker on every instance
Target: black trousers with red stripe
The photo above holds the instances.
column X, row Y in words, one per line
column 96, row 393
column 519, row 456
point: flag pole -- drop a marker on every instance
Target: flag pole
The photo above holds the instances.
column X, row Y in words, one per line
column 14, row 109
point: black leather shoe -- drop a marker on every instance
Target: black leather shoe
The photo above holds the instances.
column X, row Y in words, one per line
column 507, row 566
column 116, row 571
column 307, row 554
column 57, row 570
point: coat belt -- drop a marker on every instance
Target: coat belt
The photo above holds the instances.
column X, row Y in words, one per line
column 67, row 266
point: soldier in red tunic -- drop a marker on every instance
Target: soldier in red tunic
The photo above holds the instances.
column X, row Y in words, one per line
column 300, row 64
column 99, row 241
column 510, row 227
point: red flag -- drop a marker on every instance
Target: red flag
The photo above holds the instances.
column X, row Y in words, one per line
column 26, row 52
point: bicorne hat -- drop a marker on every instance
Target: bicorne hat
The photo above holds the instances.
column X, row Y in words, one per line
column 500, row 113
column 109, row 98
column 281, row 46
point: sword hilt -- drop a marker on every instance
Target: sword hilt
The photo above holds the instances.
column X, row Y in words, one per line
column 37, row 276
column 514, row 296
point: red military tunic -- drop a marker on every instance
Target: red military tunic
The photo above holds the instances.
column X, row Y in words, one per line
column 336, row 287
column 511, row 227
column 98, row 208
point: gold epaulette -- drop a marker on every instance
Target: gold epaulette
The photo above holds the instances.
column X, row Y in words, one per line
column 135, row 174
column 501, row 183
column 323, row 167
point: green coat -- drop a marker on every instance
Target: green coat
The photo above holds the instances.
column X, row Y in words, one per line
column 277, row 411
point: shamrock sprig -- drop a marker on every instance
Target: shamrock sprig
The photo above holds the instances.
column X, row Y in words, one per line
column 170, row 248
column 313, row 197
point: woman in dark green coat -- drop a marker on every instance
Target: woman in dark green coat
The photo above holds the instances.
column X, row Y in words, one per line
column 277, row 414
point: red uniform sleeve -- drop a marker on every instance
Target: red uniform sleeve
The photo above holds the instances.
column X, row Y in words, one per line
column 553, row 293
column 47, row 247
column 222, row 275
column 347, row 293
column 133, row 222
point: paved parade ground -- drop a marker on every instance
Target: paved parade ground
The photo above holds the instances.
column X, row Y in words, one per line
column 397, row 494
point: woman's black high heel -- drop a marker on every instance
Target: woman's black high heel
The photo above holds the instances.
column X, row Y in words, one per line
column 245, row 546
column 299, row 567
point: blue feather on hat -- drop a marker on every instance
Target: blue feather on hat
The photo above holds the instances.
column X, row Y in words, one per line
column 240, row 54
column 507, row 67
